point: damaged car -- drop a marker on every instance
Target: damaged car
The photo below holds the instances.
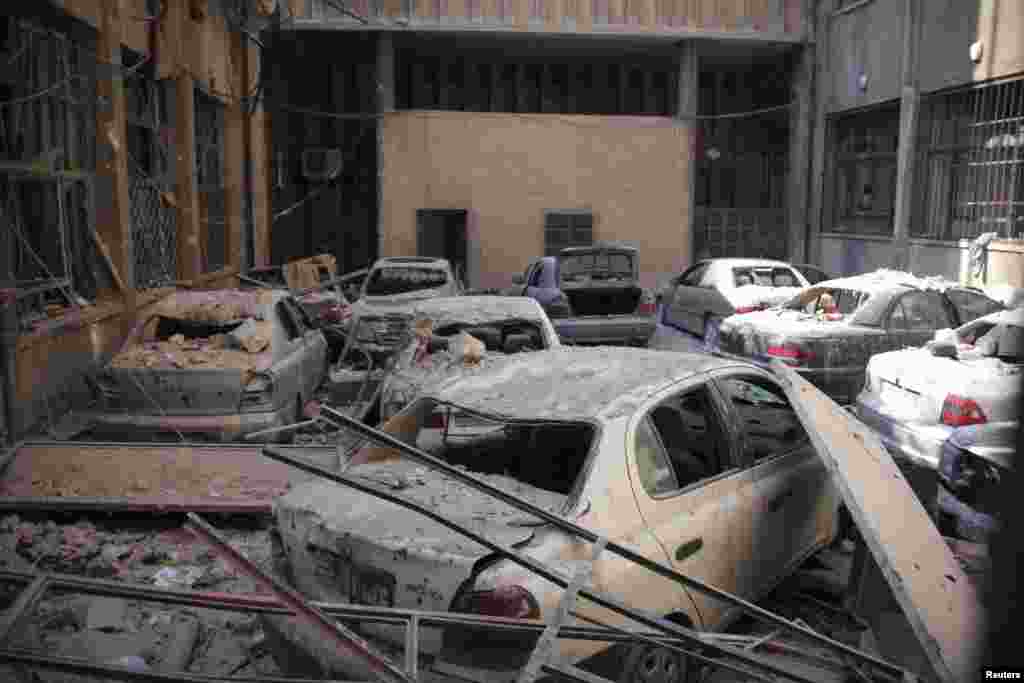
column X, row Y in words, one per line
column 697, row 462
column 828, row 332
column 698, row 300
column 444, row 328
column 915, row 399
column 592, row 294
column 219, row 364
column 974, row 461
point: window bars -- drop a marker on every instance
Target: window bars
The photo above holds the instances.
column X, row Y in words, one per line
column 971, row 156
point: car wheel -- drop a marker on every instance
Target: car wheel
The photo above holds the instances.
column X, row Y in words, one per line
column 653, row 664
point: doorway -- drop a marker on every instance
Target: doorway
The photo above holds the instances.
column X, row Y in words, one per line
column 441, row 233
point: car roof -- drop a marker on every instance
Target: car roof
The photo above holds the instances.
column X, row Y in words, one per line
column 592, row 383
column 478, row 309
column 746, row 262
column 413, row 260
column 884, row 280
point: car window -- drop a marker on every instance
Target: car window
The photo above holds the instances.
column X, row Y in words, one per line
column 534, row 277
column 656, row 473
column 394, row 279
column 971, row 305
column 897, row 317
column 693, row 276
column 768, row 423
column 784, row 277
column 288, row 319
column 924, row 311
column 688, row 429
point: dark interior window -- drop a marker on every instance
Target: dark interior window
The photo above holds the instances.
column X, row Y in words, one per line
column 924, row 311
column 287, row 317
column 402, row 279
column 970, row 305
column 692, row 277
column 770, row 425
column 688, row 429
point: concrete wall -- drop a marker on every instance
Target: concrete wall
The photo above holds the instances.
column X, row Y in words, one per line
column 507, row 169
column 865, row 41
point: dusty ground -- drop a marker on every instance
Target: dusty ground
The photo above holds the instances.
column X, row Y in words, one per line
column 102, row 629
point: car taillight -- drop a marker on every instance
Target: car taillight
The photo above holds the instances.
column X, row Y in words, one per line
column 750, row 309
column 436, row 420
column 791, row 354
column 337, row 313
column 647, row 308
column 960, row 412
column 513, row 602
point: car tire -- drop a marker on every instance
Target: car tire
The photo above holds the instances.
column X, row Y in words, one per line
column 645, row 663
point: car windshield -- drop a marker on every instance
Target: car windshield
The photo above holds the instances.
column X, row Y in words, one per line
column 547, row 455
column 613, row 263
column 828, row 300
column 389, row 280
column 989, row 339
column 764, row 277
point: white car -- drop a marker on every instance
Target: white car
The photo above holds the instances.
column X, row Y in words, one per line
column 916, row 398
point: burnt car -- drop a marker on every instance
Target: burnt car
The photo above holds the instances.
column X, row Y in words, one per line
column 220, row 364
column 974, row 461
column 673, row 454
column 592, row 294
column 709, row 291
column 915, row 399
column 502, row 324
column 829, row 331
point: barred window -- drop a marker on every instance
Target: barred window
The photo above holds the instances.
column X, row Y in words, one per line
column 971, row 163
column 864, row 148
column 209, row 141
column 567, row 229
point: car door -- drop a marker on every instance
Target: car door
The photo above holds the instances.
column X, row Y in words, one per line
column 543, row 282
column 686, row 299
column 925, row 312
column 795, row 503
column 691, row 494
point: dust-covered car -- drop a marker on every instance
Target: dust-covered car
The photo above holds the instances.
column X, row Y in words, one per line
column 975, row 462
column 711, row 290
column 694, row 461
column 502, row 325
column 916, row 398
column 222, row 364
column 828, row 332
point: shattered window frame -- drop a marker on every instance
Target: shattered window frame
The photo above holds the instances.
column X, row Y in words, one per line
column 782, row 402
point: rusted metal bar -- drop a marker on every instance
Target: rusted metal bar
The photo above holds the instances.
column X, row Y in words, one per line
column 565, row 525
column 84, row 667
column 162, row 506
column 260, row 604
column 26, row 600
column 346, row 641
column 602, row 599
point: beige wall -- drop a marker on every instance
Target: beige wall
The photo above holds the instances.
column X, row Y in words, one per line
column 507, row 169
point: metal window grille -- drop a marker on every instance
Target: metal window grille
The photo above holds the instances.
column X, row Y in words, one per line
column 971, row 162
column 567, row 229
column 864, row 148
column 150, row 169
column 209, row 121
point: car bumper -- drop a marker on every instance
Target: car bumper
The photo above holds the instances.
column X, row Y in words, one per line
column 601, row 329
column 224, row 427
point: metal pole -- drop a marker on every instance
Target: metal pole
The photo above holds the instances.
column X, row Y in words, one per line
column 346, row 641
column 565, row 525
column 602, row 599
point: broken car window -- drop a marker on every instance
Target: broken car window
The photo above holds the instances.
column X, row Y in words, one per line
column 924, row 312
column 656, row 473
column 689, row 431
column 402, row 279
column 971, row 305
column 544, row 455
column 769, row 424
column 615, row 264
column 692, row 277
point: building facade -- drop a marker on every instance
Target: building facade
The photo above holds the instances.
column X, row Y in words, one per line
column 494, row 132
column 919, row 136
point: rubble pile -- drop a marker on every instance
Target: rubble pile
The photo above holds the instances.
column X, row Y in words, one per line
column 235, row 350
column 141, row 634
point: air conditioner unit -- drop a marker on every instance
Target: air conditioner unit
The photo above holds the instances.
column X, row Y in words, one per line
column 321, row 164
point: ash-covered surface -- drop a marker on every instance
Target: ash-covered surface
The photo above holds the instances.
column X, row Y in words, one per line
column 568, row 384
column 478, row 310
column 124, row 632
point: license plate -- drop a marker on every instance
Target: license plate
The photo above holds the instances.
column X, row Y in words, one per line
column 897, row 399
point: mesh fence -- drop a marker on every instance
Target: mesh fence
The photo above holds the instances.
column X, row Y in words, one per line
column 153, row 233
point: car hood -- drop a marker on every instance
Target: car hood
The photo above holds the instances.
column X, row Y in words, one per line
column 785, row 322
column 754, row 295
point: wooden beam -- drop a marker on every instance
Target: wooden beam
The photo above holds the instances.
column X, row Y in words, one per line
column 187, row 194
column 939, row 601
column 687, row 92
column 114, row 220
column 234, row 159
column 909, row 103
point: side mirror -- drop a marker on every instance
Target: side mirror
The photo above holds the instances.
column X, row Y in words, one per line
column 943, row 349
column 518, row 279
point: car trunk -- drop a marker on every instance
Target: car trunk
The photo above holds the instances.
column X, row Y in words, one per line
column 591, row 296
column 174, row 391
column 349, row 547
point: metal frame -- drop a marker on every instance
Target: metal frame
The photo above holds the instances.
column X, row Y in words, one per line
column 602, row 599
